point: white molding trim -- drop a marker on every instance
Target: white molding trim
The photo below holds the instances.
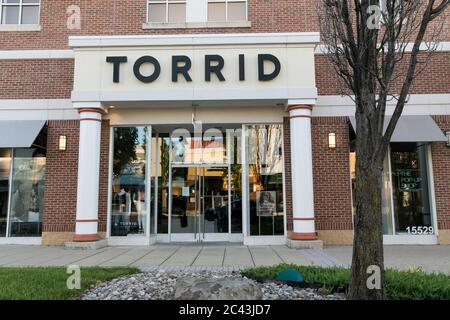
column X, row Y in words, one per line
column 36, row 241
column 195, row 95
column 418, row 104
column 197, row 25
column 264, row 240
column 35, row 104
column 195, row 39
column 130, row 241
column 410, row 239
column 38, row 109
column 443, row 46
column 36, row 54
column 20, row 27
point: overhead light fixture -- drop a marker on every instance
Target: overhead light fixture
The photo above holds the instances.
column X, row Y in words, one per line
column 332, row 140
column 62, row 145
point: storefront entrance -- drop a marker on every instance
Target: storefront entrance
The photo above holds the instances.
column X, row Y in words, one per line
column 200, row 204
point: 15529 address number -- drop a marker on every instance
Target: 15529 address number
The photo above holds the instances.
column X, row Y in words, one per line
column 420, row 230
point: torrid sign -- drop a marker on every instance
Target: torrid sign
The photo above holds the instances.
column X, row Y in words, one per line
column 181, row 66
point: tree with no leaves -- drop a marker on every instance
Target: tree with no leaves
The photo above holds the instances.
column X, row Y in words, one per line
column 376, row 48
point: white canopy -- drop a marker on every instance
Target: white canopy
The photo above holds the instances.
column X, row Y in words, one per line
column 19, row 134
column 412, row 129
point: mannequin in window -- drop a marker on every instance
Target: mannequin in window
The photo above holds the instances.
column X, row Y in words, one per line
column 139, row 202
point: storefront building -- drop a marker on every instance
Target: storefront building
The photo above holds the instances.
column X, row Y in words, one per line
column 199, row 121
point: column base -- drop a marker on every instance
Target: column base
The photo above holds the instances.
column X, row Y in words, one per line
column 304, row 244
column 85, row 237
column 91, row 245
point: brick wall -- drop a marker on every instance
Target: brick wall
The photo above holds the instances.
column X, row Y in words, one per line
column 36, row 79
column 331, row 172
column 287, row 171
column 53, row 78
column 61, row 177
column 125, row 17
column 104, row 179
column 440, row 154
column 432, row 78
column 60, row 197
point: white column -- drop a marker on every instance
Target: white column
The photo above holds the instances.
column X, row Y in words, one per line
column 302, row 173
column 88, row 175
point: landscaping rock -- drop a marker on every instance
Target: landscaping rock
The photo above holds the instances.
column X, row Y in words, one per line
column 192, row 284
column 217, row 289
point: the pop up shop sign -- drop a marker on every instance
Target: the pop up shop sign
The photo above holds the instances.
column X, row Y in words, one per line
column 181, row 67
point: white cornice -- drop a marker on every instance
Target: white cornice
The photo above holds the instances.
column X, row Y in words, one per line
column 195, row 39
column 36, row 54
column 418, row 104
column 441, row 47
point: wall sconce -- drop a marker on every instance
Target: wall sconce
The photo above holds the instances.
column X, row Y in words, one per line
column 62, row 145
column 332, row 140
column 448, row 138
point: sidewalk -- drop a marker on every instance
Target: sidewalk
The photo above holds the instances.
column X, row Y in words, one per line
column 429, row 258
column 157, row 255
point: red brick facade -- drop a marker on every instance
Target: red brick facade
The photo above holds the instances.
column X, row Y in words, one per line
column 61, row 177
column 53, row 79
column 331, row 172
column 60, row 198
column 36, row 79
column 440, row 154
column 431, row 78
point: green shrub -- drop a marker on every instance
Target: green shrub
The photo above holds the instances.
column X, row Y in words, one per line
column 400, row 285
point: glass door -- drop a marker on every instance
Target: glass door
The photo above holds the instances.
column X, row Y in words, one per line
column 200, row 204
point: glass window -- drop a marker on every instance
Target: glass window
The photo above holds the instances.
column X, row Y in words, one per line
column 129, row 192
column 265, row 174
column 27, row 190
column 405, row 190
column 166, row 11
column 227, row 10
column 410, row 188
column 19, row 11
column 5, row 171
column 160, row 179
column 234, row 137
column 210, row 148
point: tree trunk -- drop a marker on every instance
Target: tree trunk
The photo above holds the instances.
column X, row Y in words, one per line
column 368, row 233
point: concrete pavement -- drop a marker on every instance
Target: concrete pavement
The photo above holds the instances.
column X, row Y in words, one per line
column 429, row 258
column 157, row 255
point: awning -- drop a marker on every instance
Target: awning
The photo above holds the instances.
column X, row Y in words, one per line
column 412, row 129
column 19, row 134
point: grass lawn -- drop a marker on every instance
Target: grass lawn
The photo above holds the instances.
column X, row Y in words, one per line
column 400, row 285
column 50, row 283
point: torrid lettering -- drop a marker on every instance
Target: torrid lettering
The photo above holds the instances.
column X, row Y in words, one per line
column 181, row 66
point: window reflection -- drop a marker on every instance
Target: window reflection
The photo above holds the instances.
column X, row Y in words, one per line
column 265, row 170
column 129, row 201
column 410, row 187
column 27, row 190
column 5, row 170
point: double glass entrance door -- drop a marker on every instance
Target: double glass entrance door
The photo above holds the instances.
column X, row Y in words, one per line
column 200, row 204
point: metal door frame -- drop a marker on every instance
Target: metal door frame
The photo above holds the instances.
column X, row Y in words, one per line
column 199, row 184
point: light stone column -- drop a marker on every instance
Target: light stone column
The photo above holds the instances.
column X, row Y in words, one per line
column 303, row 233
column 86, row 229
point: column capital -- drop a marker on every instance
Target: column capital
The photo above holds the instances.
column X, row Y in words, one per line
column 299, row 107
column 94, row 106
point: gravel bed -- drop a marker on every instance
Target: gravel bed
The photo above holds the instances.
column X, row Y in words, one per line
column 158, row 285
